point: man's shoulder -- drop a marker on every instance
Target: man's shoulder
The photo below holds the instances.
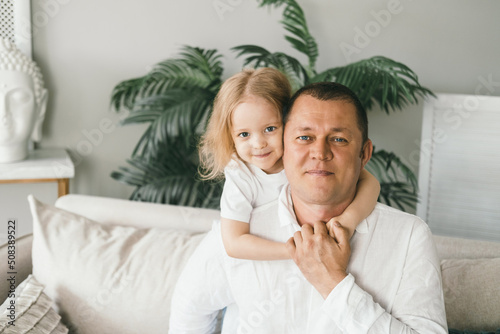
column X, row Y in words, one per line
column 393, row 226
column 389, row 215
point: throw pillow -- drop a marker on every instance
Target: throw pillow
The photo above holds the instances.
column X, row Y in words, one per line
column 29, row 309
column 107, row 279
column 471, row 293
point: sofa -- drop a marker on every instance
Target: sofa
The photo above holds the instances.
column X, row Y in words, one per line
column 103, row 265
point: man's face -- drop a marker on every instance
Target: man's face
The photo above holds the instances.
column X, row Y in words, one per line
column 323, row 152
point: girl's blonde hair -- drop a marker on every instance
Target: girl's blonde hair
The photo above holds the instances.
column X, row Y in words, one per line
column 217, row 145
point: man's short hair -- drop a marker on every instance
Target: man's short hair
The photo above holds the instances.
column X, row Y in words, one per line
column 331, row 91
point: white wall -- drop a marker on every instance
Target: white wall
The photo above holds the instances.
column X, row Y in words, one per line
column 84, row 48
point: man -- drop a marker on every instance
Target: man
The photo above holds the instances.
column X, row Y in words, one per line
column 386, row 279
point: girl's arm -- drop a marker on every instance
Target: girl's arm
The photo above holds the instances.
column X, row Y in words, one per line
column 239, row 243
column 364, row 202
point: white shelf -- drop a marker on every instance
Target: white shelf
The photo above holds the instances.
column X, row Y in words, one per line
column 53, row 163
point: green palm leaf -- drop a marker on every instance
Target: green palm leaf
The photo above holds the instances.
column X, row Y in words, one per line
column 207, row 61
column 257, row 56
column 390, row 84
column 294, row 21
column 179, row 190
column 398, row 183
column 175, row 98
column 196, row 68
column 125, row 93
column 170, row 177
column 276, row 3
column 174, row 73
column 175, row 113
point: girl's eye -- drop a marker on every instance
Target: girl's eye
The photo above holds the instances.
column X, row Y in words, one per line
column 270, row 129
column 244, row 134
column 304, row 137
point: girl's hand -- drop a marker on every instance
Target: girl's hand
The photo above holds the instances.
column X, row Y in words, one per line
column 329, row 226
column 331, row 223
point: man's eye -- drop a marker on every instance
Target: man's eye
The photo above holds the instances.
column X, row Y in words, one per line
column 244, row 134
column 339, row 140
column 304, row 137
column 270, row 129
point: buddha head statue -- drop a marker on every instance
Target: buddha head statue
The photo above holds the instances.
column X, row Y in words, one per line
column 23, row 101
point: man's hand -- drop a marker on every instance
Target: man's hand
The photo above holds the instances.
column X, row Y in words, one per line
column 322, row 259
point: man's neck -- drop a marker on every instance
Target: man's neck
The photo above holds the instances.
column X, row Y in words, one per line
column 308, row 213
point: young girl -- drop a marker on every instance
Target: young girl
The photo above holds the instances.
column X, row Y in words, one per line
column 244, row 143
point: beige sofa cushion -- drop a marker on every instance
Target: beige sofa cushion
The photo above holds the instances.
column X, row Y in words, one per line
column 460, row 248
column 107, row 279
column 472, row 293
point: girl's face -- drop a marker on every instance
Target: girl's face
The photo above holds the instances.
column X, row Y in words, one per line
column 258, row 134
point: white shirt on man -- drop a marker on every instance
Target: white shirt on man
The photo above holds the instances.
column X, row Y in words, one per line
column 393, row 286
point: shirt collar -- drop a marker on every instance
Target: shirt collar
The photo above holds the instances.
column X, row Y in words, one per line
column 287, row 215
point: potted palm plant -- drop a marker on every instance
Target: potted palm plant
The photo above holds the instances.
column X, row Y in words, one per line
column 175, row 98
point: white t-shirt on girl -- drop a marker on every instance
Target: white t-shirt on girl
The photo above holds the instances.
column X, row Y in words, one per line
column 248, row 187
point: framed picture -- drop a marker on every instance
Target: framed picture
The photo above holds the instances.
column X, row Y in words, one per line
column 15, row 23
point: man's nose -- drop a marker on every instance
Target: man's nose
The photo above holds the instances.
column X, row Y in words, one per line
column 321, row 150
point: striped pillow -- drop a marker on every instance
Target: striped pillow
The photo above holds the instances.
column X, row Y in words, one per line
column 30, row 309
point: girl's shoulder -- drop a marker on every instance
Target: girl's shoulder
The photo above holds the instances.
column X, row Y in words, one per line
column 235, row 163
column 250, row 173
column 238, row 169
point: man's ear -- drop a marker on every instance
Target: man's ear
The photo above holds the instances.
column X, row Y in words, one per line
column 366, row 152
column 41, row 108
